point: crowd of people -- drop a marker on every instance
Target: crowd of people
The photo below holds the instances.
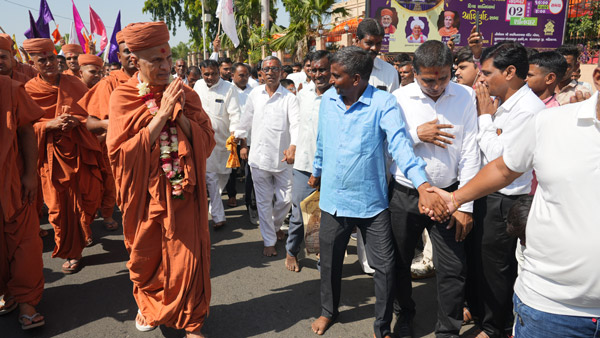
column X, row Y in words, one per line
column 482, row 163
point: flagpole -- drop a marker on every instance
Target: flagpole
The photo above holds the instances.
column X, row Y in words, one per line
column 2, row 29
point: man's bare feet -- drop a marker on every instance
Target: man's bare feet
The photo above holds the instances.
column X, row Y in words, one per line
column 291, row 263
column 195, row 334
column 280, row 235
column 321, row 324
column 269, row 251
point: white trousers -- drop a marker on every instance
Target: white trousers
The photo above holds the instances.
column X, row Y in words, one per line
column 214, row 184
column 273, row 192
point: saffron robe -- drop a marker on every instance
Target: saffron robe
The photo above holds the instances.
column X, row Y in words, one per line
column 21, row 264
column 70, row 164
column 167, row 239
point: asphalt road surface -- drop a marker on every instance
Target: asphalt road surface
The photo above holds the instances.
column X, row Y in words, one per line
column 252, row 295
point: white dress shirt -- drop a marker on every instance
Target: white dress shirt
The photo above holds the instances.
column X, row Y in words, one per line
column 242, row 98
column 221, row 104
column 508, row 121
column 299, row 78
column 460, row 160
column 273, row 122
column 252, row 83
column 310, row 102
column 560, row 272
column 384, row 74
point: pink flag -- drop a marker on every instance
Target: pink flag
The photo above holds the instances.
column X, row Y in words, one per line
column 79, row 27
column 97, row 27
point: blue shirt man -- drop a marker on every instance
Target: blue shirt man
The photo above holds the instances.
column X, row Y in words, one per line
column 353, row 175
column 355, row 121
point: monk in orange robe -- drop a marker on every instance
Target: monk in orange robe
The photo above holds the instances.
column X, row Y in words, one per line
column 70, row 159
column 21, row 265
column 95, row 102
column 7, row 58
column 158, row 140
column 72, row 51
column 90, row 69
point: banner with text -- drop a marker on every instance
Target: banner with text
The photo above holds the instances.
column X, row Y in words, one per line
column 534, row 23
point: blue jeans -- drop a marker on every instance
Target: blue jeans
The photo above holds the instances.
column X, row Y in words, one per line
column 532, row 323
column 300, row 191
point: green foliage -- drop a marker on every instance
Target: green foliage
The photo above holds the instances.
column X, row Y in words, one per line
column 585, row 27
column 189, row 12
column 306, row 16
column 180, row 51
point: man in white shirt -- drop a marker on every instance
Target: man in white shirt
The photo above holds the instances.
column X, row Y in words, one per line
column 369, row 35
column 557, row 294
column 302, row 79
column 504, row 68
column 271, row 115
column 310, row 101
column 441, row 118
column 241, row 76
column 220, row 101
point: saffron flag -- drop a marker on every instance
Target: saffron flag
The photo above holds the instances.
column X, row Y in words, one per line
column 97, row 27
column 42, row 22
column 114, row 46
column 56, row 35
column 79, row 28
column 225, row 14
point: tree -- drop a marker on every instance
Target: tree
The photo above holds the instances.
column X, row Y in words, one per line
column 189, row 12
column 306, row 16
column 585, row 27
column 180, row 51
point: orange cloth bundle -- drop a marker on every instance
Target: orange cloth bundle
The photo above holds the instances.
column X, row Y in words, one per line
column 233, row 161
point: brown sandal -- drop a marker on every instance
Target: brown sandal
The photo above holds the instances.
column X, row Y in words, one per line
column 74, row 265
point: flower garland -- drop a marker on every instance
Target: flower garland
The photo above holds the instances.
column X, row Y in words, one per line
column 169, row 155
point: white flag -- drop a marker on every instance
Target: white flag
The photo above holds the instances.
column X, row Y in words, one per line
column 225, row 13
column 72, row 34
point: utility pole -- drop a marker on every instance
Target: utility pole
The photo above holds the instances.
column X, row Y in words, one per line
column 264, row 20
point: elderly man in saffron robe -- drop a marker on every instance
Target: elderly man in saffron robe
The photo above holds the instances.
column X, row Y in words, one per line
column 158, row 140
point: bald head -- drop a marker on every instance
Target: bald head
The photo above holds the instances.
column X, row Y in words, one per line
column 180, row 68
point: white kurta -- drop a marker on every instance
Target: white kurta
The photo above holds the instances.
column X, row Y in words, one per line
column 221, row 104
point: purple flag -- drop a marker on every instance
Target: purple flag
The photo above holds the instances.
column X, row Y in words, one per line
column 43, row 20
column 79, row 27
column 32, row 32
column 114, row 46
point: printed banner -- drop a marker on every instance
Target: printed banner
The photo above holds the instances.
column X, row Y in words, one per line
column 534, row 23
column 407, row 23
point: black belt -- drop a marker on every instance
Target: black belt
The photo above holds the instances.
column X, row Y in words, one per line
column 415, row 192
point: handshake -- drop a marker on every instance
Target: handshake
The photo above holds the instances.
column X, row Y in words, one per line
column 441, row 206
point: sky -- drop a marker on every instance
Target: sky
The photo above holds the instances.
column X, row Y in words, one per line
column 14, row 16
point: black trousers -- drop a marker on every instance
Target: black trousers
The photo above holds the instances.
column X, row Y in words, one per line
column 448, row 258
column 333, row 237
column 249, row 197
column 492, row 253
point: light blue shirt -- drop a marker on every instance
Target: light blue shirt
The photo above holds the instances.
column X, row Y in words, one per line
column 350, row 155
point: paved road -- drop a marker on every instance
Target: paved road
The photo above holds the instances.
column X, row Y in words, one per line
column 252, row 295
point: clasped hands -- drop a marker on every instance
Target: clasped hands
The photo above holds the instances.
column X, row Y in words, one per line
column 63, row 122
column 172, row 95
column 440, row 207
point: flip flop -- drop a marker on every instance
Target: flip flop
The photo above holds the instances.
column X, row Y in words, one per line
column 111, row 226
column 89, row 242
column 74, row 266
column 43, row 232
column 219, row 225
column 32, row 324
column 10, row 308
column 143, row 328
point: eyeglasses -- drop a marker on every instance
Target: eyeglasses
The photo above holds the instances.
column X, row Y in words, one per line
column 268, row 69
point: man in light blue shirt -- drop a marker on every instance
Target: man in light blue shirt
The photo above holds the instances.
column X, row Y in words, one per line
column 355, row 120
